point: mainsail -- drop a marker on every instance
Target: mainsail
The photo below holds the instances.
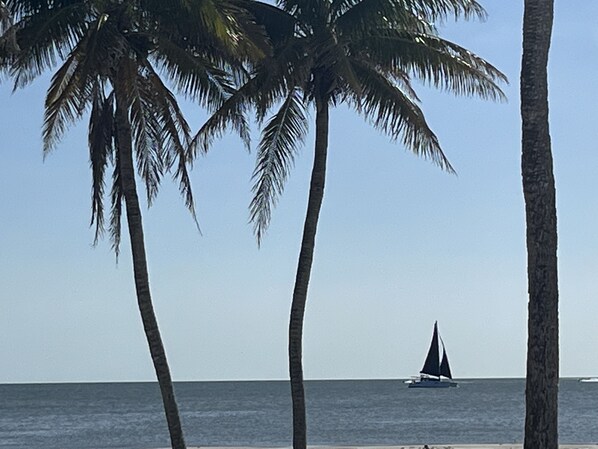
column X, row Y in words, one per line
column 432, row 363
column 434, row 366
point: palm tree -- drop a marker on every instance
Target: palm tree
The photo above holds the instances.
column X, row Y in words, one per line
column 541, row 391
column 111, row 55
column 360, row 52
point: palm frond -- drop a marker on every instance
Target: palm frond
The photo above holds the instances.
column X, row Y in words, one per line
column 360, row 17
column 46, row 32
column 397, row 115
column 232, row 113
column 251, row 39
column 265, row 88
column 312, row 14
column 146, row 133
column 439, row 10
column 220, row 27
column 68, row 97
column 8, row 40
column 403, row 82
column 289, row 68
column 218, row 22
column 5, row 20
column 333, row 63
column 275, row 157
column 71, row 89
column 175, row 136
column 278, row 24
column 436, row 61
column 192, row 74
column 117, row 197
column 160, row 133
column 100, row 139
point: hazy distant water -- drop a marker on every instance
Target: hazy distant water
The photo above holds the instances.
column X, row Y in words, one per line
column 382, row 412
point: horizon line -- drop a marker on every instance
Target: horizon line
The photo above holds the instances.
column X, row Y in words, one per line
column 401, row 379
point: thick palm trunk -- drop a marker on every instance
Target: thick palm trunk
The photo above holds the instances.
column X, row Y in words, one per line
column 541, row 392
column 316, row 194
column 144, row 300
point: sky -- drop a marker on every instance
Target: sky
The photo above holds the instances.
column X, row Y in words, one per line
column 400, row 243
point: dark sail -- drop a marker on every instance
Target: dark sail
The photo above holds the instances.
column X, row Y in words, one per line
column 432, row 363
column 445, row 369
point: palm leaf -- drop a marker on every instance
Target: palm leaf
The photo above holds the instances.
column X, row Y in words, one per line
column 71, row 89
column 101, row 137
column 359, row 17
column 333, row 63
column 192, row 74
column 275, row 156
column 67, row 99
column 267, row 85
column 116, row 211
column 175, row 135
column 289, row 68
column 439, row 10
column 146, row 132
column 223, row 26
column 394, row 113
column 160, row 133
column 5, row 20
column 278, row 24
column 436, row 61
column 8, row 40
column 232, row 113
column 45, row 35
column 312, row 12
column 250, row 37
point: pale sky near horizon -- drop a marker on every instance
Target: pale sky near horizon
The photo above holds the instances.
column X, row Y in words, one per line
column 400, row 243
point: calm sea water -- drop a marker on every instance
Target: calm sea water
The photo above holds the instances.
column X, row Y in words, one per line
column 365, row 412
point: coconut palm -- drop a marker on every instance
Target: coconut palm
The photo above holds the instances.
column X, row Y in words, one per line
column 541, row 391
column 360, row 52
column 111, row 54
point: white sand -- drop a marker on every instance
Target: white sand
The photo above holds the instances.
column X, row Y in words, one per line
column 430, row 446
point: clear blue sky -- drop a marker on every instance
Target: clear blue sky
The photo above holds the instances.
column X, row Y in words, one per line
column 400, row 243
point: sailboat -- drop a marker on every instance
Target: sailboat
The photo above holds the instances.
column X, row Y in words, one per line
column 436, row 372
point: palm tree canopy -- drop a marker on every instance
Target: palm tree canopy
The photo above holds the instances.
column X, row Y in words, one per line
column 361, row 52
column 104, row 46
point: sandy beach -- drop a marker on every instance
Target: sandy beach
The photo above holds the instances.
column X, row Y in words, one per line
column 430, row 446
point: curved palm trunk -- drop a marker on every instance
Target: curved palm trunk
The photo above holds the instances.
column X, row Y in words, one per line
column 541, row 391
column 316, row 194
column 144, row 300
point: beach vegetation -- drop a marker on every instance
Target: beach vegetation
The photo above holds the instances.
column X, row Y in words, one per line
column 112, row 60
column 361, row 53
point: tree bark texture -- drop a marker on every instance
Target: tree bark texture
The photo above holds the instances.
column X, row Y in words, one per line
column 144, row 300
column 316, row 194
column 541, row 391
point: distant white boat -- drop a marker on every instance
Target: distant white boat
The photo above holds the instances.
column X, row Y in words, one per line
column 589, row 380
column 436, row 372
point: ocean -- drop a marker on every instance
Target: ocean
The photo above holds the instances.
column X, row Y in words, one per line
column 351, row 412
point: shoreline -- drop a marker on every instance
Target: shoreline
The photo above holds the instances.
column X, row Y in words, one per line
column 409, row 446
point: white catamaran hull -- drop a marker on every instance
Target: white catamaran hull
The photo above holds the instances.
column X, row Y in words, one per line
column 431, row 383
column 436, row 372
column 589, row 380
